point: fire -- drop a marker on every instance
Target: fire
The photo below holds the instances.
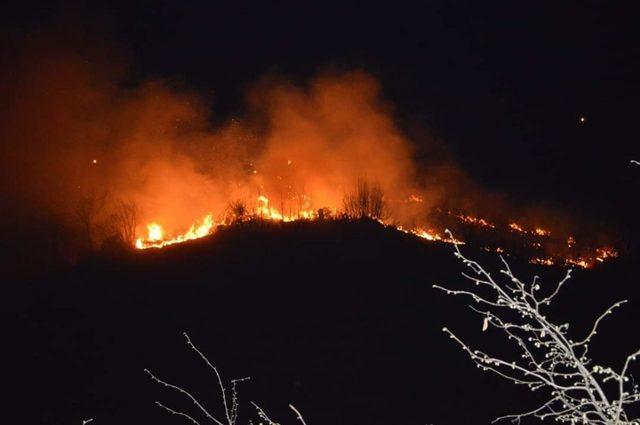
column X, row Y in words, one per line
column 604, row 253
column 155, row 234
column 430, row 235
column 541, row 232
column 516, row 227
column 543, row 261
column 268, row 212
column 538, row 231
column 580, row 262
column 585, row 262
column 157, row 237
column 474, row 220
column 294, row 155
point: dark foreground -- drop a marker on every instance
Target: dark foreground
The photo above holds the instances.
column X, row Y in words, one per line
column 337, row 318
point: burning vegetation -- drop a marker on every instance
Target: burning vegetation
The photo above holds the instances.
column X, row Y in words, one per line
column 145, row 167
column 156, row 237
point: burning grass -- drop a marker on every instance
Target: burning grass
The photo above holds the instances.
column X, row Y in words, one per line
column 366, row 203
column 294, row 153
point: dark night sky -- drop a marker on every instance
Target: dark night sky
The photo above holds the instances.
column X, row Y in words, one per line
column 501, row 83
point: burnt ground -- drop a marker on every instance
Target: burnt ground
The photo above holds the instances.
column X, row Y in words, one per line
column 337, row 318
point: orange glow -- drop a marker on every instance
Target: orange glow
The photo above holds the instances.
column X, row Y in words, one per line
column 430, row 235
column 542, row 261
column 155, row 232
column 155, row 235
column 475, row 220
column 541, row 232
column 604, row 253
column 516, row 227
column 294, row 150
column 580, row 262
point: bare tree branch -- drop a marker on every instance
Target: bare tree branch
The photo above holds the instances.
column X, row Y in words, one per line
column 549, row 359
column 231, row 410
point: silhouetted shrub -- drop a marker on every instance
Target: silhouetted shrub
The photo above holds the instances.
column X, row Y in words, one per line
column 237, row 212
column 121, row 223
column 366, row 201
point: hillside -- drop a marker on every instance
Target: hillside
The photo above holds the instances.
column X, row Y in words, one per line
column 338, row 318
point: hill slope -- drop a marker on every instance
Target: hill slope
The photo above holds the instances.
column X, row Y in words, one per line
column 337, row 318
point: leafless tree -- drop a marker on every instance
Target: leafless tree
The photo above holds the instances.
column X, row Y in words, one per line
column 580, row 391
column 230, row 401
column 90, row 206
column 122, row 222
column 366, row 201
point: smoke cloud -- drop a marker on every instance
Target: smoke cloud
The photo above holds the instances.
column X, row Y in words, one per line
column 75, row 125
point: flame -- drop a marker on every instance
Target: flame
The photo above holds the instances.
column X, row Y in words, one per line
column 155, row 237
column 580, row 262
column 155, row 234
column 430, row 235
column 543, row 261
column 517, row 227
column 542, row 232
column 604, row 253
column 585, row 262
column 474, row 220
column 266, row 211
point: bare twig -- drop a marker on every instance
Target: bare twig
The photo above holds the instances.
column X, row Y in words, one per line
column 298, row 414
column 231, row 409
column 549, row 358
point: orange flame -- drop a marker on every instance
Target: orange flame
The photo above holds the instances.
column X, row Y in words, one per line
column 155, row 234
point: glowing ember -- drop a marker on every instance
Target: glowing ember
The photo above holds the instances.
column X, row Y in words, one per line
column 430, row 235
column 604, row 253
column 541, row 232
column 578, row 262
column 543, row 261
column 601, row 255
column 475, row 220
column 516, row 227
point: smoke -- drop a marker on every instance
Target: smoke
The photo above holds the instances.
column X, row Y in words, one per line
column 73, row 127
column 75, row 124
